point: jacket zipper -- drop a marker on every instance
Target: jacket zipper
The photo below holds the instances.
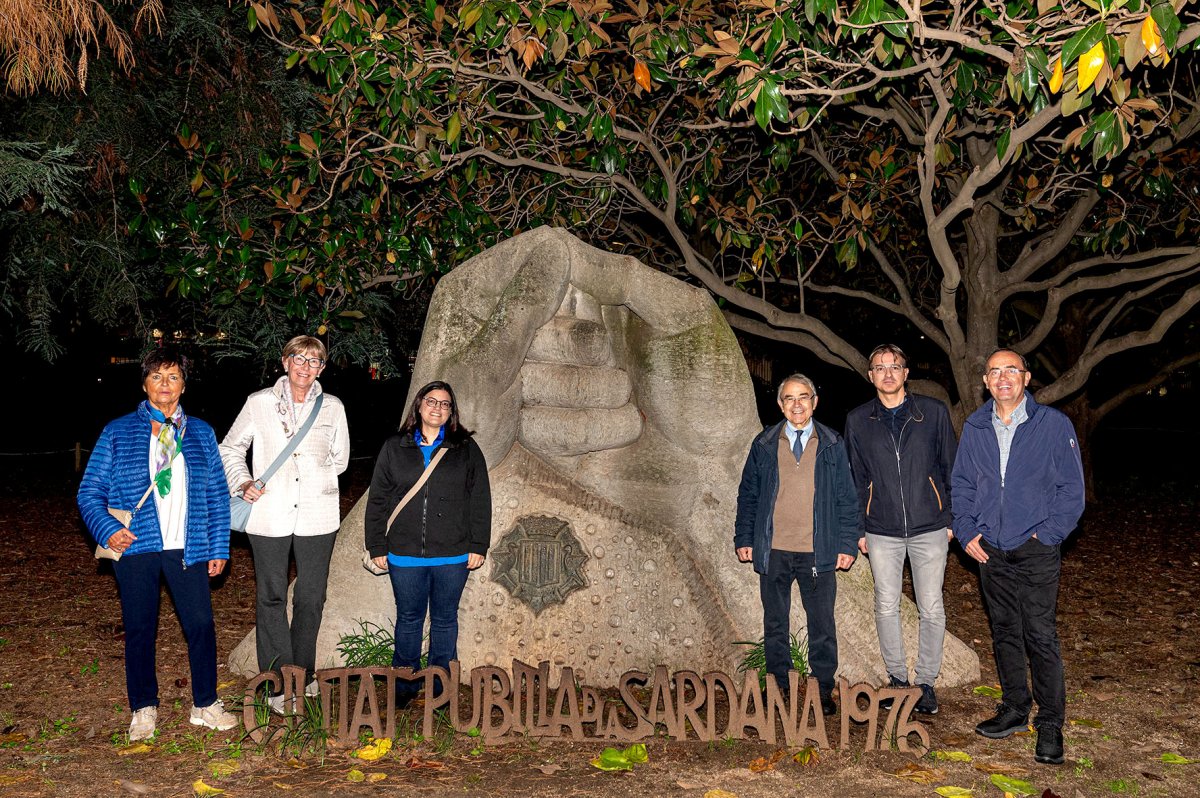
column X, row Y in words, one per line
column 424, row 515
column 900, row 474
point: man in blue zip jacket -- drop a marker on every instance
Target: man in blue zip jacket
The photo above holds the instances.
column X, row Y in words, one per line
column 901, row 453
column 1018, row 492
column 797, row 521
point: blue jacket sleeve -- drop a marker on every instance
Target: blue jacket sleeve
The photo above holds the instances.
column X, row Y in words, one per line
column 848, row 515
column 1068, row 502
column 858, row 464
column 963, row 488
column 947, row 447
column 218, row 499
column 94, row 489
column 747, row 502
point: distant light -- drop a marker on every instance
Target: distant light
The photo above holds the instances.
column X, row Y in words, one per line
column 98, row 380
column 1162, row 390
column 156, row 333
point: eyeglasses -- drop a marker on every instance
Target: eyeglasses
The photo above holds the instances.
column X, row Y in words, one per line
column 890, row 368
column 300, row 360
column 791, row 400
column 1007, row 371
column 437, row 404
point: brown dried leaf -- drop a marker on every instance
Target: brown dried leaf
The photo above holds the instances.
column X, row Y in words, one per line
column 921, row 775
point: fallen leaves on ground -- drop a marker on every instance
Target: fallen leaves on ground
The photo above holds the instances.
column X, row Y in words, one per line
column 806, row 756
column 135, row 748
column 551, row 769
column 6, row 778
column 374, row 750
column 952, row 756
column 1011, row 785
column 376, row 777
column 766, row 762
column 720, row 794
column 989, row 691
column 12, row 737
column 282, row 786
column 953, row 792
column 612, row 759
column 204, row 790
column 1176, row 759
column 221, row 769
column 356, row 776
column 132, row 786
column 921, row 775
column 1004, row 770
column 416, row 763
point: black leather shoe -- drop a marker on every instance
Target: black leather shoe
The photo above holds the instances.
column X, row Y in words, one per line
column 1006, row 721
column 927, row 704
column 828, row 707
column 1049, row 745
column 404, row 699
column 886, row 703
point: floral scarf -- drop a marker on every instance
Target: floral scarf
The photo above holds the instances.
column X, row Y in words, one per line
column 170, row 436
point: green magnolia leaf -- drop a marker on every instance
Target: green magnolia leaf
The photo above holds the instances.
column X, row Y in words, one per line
column 952, row 756
column 612, row 759
column 1176, row 759
column 637, row 753
column 1002, row 144
column 1081, row 42
column 1015, row 786
column 1168, row 23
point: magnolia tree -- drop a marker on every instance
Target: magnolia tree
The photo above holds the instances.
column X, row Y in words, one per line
column 971, row 172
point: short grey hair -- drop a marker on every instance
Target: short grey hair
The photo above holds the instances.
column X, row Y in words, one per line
column 988, row 359
column 812, row 386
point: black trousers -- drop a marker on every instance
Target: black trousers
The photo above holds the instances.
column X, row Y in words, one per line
column 818, row 593
column 1020, row 588
column 278, row 642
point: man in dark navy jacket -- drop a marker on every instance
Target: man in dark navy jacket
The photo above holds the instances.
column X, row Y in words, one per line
column 1018, row 492
column 901, row 452
column 797, row 521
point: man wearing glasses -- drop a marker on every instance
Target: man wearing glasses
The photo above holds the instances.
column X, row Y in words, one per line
column 901, row 453
column 797, row 521
column 1018, row 492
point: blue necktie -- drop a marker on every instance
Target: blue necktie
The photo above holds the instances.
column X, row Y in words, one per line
column 798, row 446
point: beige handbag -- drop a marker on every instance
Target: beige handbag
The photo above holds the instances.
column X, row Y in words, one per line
column 369, row 563
column 126, row 519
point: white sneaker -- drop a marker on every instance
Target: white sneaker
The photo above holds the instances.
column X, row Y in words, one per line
column 213, row 716
column 312, row 689
column 141, row 727
column 277, row 705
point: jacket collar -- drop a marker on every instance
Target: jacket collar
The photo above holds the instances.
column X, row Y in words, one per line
column 982, row 417
column 280, row 389
column 826, row 436
column 911, row 405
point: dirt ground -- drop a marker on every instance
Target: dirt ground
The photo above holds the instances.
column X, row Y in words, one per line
column 1128, row 620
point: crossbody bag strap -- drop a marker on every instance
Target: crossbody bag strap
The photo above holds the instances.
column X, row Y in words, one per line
column 437, row 458
column 146, row 495
column 294, row 442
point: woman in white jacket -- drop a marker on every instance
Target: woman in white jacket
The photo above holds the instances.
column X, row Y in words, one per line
column 297, row 512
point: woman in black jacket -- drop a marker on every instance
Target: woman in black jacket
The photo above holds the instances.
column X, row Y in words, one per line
column 440, row 534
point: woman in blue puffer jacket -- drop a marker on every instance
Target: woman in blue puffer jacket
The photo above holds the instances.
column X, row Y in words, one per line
column 167, row 463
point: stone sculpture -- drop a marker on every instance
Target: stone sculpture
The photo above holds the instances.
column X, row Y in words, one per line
column 614, row 409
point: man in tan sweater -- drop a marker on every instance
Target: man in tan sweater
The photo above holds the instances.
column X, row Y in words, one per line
column 798, row 522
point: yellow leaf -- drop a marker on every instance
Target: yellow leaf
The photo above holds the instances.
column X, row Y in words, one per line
column 641, row 73
column 391, row 257
column 283, row 786
column 954, row 792
column 1151, row 37
column 720, row 794
column 356, row 776
column 136, row 748
column 376, row 749
column 225, row 768
column 322, row 329
column 1056, row 76
column 1090, row 65
column 914, row 772
column 952, row 756
column 806, row 756
column 374, row 777
column 202, row 789
column 561, row 125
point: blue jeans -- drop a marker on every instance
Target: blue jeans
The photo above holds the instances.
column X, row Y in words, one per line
column 139, row 580
column 438, row 589
column 1020, row 588
column 818, row 592
column 927, row 554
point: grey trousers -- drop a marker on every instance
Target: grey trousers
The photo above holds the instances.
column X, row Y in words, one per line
column 278, row 642
column 927, row 554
